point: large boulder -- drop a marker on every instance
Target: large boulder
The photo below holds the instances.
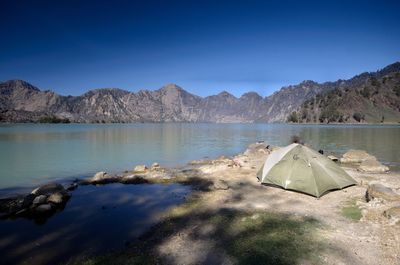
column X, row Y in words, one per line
column 372, row 166
column 356, row 156
column 380, row 191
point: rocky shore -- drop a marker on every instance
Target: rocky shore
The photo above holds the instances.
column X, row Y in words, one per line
column 357, row 225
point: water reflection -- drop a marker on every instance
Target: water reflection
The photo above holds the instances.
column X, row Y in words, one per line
column 33, row 153
column 96, row 219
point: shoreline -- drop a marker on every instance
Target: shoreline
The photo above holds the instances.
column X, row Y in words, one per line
column 225, row 189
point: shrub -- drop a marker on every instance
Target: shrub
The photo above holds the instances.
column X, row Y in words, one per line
column 293, row 117
column 358, row 116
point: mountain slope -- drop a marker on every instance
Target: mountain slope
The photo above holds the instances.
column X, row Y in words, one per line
column 22, row 102
column 376, row 100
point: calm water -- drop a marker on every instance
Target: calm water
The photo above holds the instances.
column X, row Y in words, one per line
column 95, row 220
column 31, row 154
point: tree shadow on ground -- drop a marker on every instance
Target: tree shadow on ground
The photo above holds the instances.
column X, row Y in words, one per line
column 241, row 237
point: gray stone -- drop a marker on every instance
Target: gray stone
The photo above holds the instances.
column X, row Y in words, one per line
column 356, row 156
column 39, row 199
column 377, row 190
column 372, row 166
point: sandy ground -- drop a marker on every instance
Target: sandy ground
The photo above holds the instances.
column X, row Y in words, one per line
column 372, row 240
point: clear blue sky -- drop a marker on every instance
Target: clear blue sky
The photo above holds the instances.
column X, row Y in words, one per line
column 203, row 46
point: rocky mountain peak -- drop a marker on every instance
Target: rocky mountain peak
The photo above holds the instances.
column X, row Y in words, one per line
column 17, row 84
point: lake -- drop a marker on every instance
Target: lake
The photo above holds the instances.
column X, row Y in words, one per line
column 95, row 220
column 31, row 154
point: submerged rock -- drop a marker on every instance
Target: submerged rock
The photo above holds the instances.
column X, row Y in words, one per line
column 380, row 191
column 356, row 156
column 372, row 166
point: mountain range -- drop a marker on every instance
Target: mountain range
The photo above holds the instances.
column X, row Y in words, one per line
column 308, row 101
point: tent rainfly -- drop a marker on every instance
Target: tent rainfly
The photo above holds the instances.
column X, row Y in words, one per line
column 299, row 168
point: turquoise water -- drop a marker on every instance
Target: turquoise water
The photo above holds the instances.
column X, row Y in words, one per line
column 31, row 154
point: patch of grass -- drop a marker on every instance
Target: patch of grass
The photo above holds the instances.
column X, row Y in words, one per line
column 267, row 238
column 352, row 211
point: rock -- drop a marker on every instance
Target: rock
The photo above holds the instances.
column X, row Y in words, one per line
column 377, row 190
column 28, row 200
column 155, row 166
column 220, row 185
column 140, row 168
column 333, row 158
column 133, row 179
column 393, row 214
column 372, row 166
column 48, row 189
column 72, row 186
column 100, row 178
column 356, row 156
column 200, row 162
column 43, row 208
column 56, row 198
column 255, row 149
column 39, row 200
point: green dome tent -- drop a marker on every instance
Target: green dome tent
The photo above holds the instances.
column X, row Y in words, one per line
column 299, row 168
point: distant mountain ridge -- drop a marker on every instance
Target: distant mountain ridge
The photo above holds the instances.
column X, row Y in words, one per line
column 22, row 102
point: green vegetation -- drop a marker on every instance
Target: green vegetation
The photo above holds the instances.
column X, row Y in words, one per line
column 293, row 117
column 352, row 211
column 53, row 119
column 358, row 116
